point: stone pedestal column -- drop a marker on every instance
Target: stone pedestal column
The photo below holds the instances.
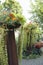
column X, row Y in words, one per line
column 11, row 48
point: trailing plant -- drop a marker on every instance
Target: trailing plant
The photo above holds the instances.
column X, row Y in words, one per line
column 30, row 36
column 3, row 52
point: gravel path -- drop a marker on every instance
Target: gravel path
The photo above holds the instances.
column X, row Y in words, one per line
column 38, row 61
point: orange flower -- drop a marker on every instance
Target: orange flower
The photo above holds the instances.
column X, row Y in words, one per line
column 11, row 15
column 13, row 18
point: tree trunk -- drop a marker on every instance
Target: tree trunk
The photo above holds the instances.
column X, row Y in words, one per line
column 11, row 48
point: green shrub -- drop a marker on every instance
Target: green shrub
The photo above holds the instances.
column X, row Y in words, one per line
column 3, row 53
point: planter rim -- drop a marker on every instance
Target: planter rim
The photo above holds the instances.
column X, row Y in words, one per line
column 11, row 25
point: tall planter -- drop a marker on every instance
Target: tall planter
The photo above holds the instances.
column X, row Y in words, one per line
column 11, row 48
column 11, row 23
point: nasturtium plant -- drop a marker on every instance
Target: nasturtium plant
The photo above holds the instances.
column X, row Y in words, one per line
column 10, row 19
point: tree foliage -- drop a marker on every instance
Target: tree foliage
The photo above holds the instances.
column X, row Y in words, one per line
column 12, row 5
column 37, row 10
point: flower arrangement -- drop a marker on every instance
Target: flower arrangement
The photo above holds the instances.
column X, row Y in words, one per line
column 10, row 20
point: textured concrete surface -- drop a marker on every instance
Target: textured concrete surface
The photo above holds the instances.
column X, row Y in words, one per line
column 38, row 61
